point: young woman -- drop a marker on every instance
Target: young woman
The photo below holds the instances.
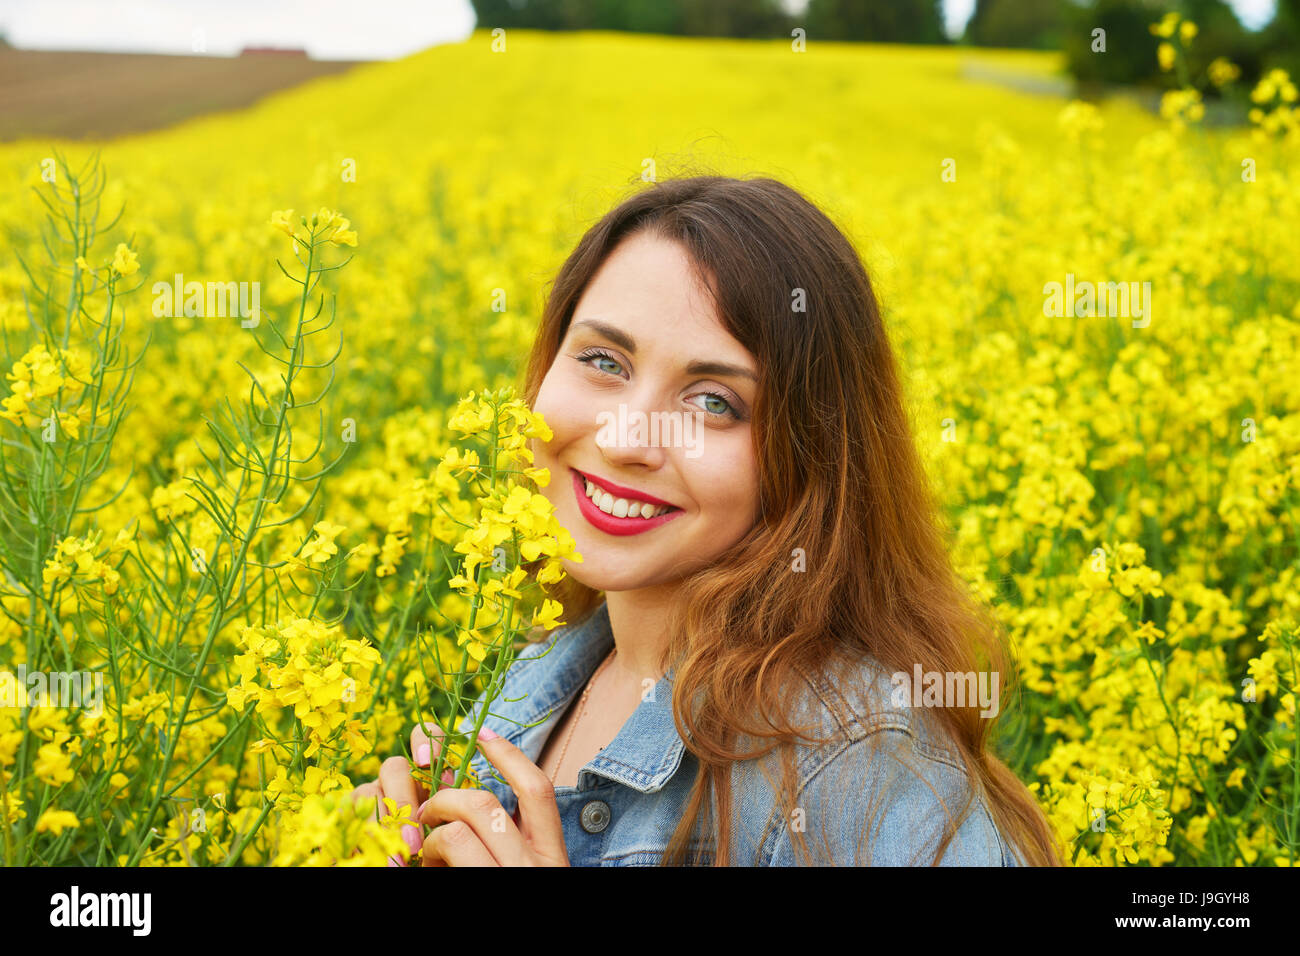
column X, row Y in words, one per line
column 755, row 580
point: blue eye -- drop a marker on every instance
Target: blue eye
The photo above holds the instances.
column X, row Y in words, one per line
column 591, row 356
column 726, row 409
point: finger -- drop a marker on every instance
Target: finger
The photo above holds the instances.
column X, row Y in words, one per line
column 424, row 750
column 455, row 844
column 395, row 781
column 448, row 780
column 539, row 817
column 421, row 740
column 482, row 812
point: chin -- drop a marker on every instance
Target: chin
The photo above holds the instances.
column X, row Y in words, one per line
column 589, row 576
column 585, row 574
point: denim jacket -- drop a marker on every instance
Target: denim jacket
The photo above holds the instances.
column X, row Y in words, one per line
column 887, row 772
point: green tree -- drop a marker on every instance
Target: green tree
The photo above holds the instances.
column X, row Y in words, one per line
column 730, row 18
column 736, row 18
column 898, row 21
column 1130, row 49
column 1279, row 41
column 1130, row 55
column 1033, row 24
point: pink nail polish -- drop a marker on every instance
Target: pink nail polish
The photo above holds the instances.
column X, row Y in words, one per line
column 486, row 733
column 422, row 755
column 412, row 837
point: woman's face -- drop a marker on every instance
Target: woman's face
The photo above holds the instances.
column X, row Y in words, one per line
column 645, row 336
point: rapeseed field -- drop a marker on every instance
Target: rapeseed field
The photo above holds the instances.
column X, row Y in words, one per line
column 252, row 523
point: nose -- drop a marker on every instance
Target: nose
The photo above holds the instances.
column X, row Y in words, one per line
column 626, row 434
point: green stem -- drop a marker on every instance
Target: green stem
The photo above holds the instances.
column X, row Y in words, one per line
column 235, row 569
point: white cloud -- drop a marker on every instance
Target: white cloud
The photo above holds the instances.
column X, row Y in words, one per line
column 327, row 29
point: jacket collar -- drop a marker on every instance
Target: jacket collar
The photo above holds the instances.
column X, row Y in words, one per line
column 647, row 751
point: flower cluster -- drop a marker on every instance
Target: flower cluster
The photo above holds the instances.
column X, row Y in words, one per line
column 314, row 669
column 37, row 380
column 330, row 830
column 324, row 225
column 1110, row 819
column 80, row 561
column 1273, row 113
column 1181, row 107
column 509, row 514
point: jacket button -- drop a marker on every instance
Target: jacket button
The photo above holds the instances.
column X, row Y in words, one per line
column 595, row 816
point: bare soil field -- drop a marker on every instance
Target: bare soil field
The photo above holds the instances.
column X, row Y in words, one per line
column 72, row 95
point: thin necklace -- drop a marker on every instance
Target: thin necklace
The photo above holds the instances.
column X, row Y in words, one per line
column 582, row 707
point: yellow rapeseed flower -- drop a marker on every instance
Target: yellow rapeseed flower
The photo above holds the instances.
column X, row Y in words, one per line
column 548, row 615
column 56, row 821
column 1166, row 26
column 282, row 219
column 124, row 261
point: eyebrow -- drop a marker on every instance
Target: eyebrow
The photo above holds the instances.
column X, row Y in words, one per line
column 697, row 367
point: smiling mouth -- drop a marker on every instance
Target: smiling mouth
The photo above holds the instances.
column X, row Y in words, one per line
column 610, row 522
column 621, row 506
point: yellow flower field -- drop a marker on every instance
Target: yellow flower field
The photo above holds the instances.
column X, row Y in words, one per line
column 1124, row 488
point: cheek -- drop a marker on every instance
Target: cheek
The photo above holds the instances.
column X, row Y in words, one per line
column 730, row 488
column 560, row 403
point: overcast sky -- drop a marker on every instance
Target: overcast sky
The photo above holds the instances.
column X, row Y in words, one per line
column 328, row 29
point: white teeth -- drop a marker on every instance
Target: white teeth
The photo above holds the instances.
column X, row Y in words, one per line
column 621, row 507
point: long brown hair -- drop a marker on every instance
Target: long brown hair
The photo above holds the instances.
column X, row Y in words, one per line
column 839, row 477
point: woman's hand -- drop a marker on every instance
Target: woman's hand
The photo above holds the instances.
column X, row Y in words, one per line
column 395, row 781
column 471, row 828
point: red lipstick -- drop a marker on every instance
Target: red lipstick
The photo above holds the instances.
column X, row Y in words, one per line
column 607, row 522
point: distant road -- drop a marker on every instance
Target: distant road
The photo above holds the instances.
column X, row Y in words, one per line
column 1217, row 112
column 45, row 94
column 1022, row 80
